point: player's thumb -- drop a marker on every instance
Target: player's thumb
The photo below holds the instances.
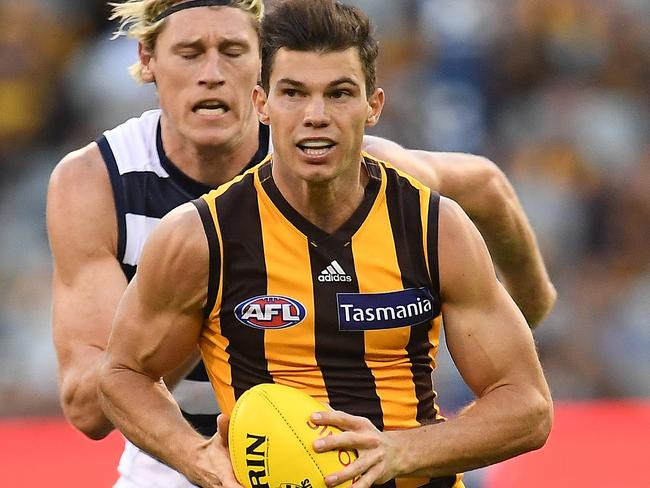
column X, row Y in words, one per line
column 223, row 421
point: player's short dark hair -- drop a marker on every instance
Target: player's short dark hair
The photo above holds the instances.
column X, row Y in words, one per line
column 318, row 25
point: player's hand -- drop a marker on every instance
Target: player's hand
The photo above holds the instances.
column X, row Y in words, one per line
column 379, row 455
column 214, row 467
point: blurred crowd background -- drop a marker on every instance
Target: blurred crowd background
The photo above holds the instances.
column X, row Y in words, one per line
column 556, row 92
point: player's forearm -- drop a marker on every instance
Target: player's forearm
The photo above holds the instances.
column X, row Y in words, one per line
column 78, row 395
column 144, row 411
column 501, row 425
column 513, row 246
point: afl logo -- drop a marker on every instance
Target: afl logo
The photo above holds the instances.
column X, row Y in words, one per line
column 270, row 312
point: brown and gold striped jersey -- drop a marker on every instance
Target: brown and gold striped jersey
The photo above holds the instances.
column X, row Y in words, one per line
column 352, row 317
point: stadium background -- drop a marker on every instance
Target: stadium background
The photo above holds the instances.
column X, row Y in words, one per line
column 557, row 92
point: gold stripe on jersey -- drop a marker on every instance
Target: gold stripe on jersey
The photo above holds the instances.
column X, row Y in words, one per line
column 289, row 274
column 375, row 262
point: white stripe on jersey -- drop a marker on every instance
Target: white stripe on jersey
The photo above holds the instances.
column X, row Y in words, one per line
column 134, row 144
column 138, row 228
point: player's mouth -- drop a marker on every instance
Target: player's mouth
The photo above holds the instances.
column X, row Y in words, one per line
column 316, row 147
column 210, row 108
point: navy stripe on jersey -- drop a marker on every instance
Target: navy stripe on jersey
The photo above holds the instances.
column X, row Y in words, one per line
column 189, row 186
column 205, row 424
column 215, row 253
column 244, row 277
column 339, row 359
column 264, row 139
column 163, row 194
column 129, row 270
column 199, row 374
column 118, row 196
column 403, row 199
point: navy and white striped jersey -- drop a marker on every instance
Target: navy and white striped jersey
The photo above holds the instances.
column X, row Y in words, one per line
column 146, row 186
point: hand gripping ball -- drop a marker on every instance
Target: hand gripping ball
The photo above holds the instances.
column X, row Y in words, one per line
column 270, row 439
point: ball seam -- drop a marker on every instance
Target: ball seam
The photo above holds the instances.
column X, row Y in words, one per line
column 266, row 397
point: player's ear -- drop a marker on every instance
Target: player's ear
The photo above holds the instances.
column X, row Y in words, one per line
column 259, row 102
column 146, row 71
column 375, row 106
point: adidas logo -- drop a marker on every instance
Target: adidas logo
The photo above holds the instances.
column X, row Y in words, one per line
column 333, row 272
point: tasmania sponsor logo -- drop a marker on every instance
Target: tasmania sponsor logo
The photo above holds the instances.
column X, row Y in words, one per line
column 270, row 312
column 373, row 311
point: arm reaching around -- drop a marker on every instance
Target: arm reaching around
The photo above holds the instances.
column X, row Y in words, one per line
column 157, row 325
column 495, row 354
column 486, row 195
column 87, row 283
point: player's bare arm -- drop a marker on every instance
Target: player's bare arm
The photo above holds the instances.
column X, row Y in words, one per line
column 486, row 195
column 87, row 281
column 157, row 325
column 495, row 354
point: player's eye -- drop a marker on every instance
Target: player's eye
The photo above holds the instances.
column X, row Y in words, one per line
column 339, row 94
column 188, row 54
column 234, row 53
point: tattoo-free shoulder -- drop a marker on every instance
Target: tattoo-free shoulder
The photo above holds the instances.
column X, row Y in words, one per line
column 80, row 205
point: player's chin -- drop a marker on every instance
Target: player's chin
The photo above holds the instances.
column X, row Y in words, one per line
column 212, row 135
column 316, row 173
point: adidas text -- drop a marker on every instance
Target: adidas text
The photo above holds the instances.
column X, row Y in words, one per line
column 329, row 277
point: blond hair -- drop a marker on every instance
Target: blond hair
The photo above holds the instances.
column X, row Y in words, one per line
column 136, row 18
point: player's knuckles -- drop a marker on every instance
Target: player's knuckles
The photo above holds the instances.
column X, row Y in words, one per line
column 366, row 442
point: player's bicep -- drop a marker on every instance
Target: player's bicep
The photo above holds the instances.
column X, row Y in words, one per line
column 83, row 310
column 160, row 316
column 87, row 279
column 486, row 334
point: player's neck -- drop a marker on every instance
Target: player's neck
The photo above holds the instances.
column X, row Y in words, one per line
column 327, row 205
column 212, row 164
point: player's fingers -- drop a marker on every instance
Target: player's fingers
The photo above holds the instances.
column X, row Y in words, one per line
column 367, row 479
column 352, row 471
column 342, row 420
column 346, row 440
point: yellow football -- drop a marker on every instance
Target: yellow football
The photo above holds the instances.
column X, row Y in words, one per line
column 271, row 437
